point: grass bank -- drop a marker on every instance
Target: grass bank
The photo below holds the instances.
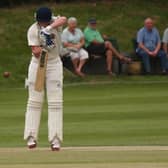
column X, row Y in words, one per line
column 119, row 19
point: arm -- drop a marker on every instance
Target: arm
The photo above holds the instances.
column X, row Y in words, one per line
column 60, row 21
column 151, row 53
column 90, row 38
column 67, row 44
column 33, row 42
column 81, row 43
column 158, row 46
column 140, row 39
column 78, row 43
column 157, row 49
column 99, row 40
column 105, row 37
column 141, row 45
column 46, row 32
column 77, row 46
column 96, row 42
column 165, row 41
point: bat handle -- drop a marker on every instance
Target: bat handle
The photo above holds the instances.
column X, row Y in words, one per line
column 42, row 58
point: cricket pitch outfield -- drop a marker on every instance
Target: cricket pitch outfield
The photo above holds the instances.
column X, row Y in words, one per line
column 129, row 119
column 86, row 157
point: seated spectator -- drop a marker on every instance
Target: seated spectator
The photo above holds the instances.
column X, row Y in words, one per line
column 96, row 44
column 149, row 45
column 165, row 42
column 73, row 40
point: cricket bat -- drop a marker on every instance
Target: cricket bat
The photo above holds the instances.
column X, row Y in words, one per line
column 41, row 71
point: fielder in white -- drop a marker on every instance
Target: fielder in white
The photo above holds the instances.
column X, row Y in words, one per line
column 45, row 33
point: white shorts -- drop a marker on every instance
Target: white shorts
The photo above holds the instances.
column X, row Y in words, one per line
column 80, row 54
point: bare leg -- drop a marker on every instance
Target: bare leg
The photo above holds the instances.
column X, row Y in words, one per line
column 109, row 60
column 75, row 63
column 116, row 53
column 81, row 63
column 110, row 47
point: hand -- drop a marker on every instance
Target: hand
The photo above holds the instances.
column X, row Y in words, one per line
column 47, row 38
column 151, row 53
column 36, row 51
column 95, row 42
column 105, row 36
column 78, row 46
column 155, row 53
column 107, row 44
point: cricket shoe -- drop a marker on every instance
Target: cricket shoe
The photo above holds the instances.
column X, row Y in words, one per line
column 55, row 145
column 31, row 143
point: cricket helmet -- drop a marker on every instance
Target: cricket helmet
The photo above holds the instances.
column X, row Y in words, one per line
column 43, row 14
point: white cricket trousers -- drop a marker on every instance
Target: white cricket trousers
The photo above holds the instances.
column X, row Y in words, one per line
column 54, row 87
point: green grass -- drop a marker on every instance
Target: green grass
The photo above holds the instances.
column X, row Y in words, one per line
column 119, row 19
column 80, row 159
column 116, row 114
column 95, row 115
column 125, row 111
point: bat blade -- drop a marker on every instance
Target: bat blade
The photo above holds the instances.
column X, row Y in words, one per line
column 41, row 72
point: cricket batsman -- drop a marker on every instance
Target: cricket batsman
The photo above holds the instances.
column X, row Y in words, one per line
column 44, row 34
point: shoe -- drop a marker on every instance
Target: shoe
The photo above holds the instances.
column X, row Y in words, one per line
column 31, row 143
column 55, row 145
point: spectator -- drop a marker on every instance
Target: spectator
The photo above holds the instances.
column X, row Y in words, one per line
column 149, row 45
column 96, row 44
column 73, row 40
column 165, row 42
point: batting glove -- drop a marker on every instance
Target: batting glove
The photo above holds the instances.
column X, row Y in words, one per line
column 47, row 38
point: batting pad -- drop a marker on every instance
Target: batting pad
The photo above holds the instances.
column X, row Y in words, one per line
column 32, row 121
column 33, row 113
column 55, row 112
column 55, row 120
